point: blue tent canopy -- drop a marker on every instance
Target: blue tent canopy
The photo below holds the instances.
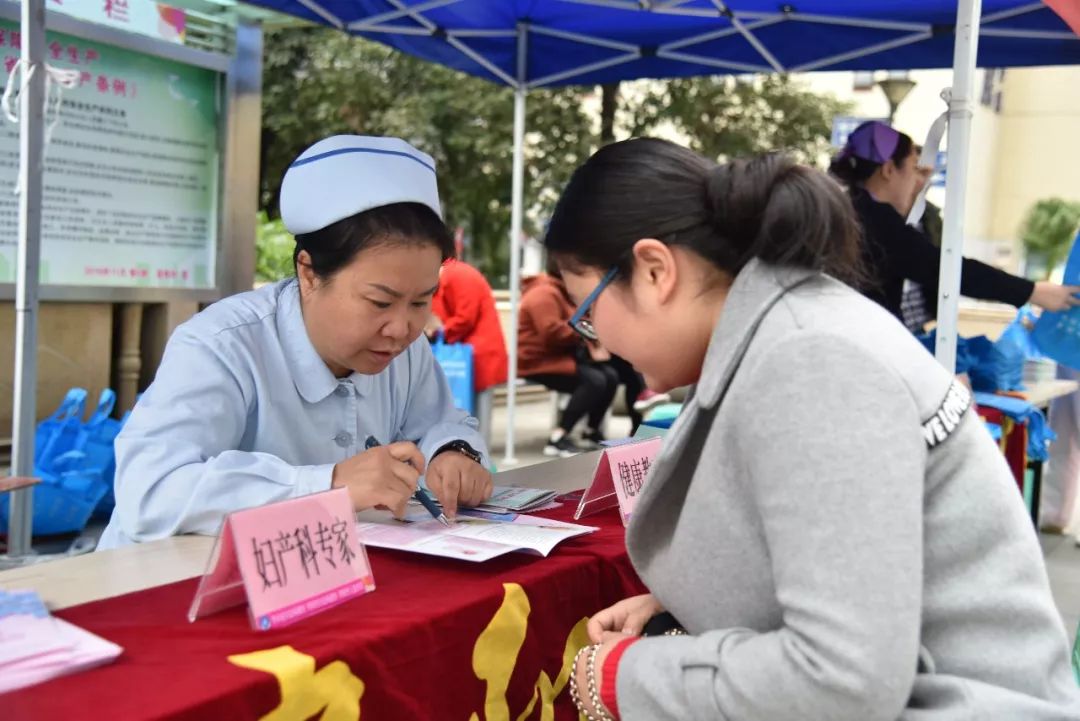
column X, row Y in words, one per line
column 599, row 41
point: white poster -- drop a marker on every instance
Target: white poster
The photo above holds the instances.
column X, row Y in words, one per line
column 131, row 171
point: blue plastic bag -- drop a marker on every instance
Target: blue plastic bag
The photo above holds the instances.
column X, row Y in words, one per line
column 63, row 501
column 991, row 366
column 1040, row 435
column 96, row 442
column 75, row 462
column 964, row 358
column 1014, row 348
column 1057, row 335
column 59, row 433
column 990, row 370
column 984, row 361
column 456, row 361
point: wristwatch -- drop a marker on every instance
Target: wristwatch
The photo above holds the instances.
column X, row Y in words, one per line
column 461, row 447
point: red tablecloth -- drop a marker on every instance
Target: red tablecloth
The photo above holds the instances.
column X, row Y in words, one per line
column 438, row 639
column 1013, row 443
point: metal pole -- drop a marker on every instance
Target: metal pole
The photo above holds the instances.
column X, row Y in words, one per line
column 31, row 138
column 516, row 213
column 239, row 193
column 952, row 244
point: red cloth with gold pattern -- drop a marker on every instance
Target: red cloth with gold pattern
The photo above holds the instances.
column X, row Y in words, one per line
column 437, row 639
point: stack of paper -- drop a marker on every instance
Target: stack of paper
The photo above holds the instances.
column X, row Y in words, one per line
column 508, row 499
column 35, row 646
column 470, row 538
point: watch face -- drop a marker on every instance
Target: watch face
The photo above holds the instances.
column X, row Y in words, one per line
column 465, row 448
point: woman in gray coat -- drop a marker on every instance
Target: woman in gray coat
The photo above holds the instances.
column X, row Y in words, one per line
column 829, row 521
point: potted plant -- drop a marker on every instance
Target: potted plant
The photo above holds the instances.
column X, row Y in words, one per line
column 1047, row 234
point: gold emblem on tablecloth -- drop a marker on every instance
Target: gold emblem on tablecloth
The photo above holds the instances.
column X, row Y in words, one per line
column 496, row 652
column 333, row 689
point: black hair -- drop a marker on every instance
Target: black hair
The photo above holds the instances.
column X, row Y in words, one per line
column 766, row 207
column 551, row 266
column 852, row 171
column 333, row 247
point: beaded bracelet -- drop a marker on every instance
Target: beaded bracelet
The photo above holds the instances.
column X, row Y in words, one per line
column 594, row 692
column 590, row 675
column 574, row 696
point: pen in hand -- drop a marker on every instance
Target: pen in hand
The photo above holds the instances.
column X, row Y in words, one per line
column 420, row 495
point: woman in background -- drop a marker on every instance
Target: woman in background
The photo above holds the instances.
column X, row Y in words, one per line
column 879, row 167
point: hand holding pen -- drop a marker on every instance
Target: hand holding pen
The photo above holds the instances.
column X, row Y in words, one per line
column 419, row 493
column 383, row 476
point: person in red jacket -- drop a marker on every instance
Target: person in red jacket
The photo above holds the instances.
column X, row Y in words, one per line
column 464, row 310
column 551, row 353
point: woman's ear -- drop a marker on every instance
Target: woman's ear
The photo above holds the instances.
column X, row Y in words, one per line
column 888, row 169
column 305, row 274
column 655, row 270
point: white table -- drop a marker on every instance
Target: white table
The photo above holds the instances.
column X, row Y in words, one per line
column 1040, row 394
column 94, row 576
column 104, row 574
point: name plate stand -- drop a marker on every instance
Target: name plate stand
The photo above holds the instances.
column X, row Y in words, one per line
column 620, row 476
column 287, row 561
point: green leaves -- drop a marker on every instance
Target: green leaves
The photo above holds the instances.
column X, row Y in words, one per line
column 1049, row 230
column 319, row 82
column 273, row 250
column 726, row 117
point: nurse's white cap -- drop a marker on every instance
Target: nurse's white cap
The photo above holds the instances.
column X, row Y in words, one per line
column 347, row 174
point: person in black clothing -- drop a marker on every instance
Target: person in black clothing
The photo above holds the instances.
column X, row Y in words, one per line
column 879, row 165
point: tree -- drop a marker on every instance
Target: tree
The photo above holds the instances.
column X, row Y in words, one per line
column 725, row 117
column 609, row 105
column 273, row 250
column 318, row 82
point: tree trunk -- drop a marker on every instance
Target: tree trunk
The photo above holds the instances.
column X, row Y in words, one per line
column 609, row 101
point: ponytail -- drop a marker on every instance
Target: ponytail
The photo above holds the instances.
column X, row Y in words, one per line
column 766, row 207
column 772, row 208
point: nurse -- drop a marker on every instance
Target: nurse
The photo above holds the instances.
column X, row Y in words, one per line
column 316, row 382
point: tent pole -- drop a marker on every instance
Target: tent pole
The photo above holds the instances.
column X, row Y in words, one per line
column 961, row 107
column 31, row 140
column 516, row 222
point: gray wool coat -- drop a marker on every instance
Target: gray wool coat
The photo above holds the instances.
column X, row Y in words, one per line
column 837, row 532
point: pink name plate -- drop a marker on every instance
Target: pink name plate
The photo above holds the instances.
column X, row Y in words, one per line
column 287, row 561
column 620, row 476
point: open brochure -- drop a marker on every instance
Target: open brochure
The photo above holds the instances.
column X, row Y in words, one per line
column 470, row 538
column 517, row 500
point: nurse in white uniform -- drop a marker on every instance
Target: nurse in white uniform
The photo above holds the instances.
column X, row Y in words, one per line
column 320, row 381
